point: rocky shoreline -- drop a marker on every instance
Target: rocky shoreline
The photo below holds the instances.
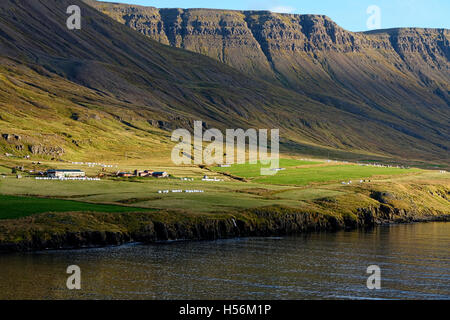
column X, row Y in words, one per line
column 150, row 228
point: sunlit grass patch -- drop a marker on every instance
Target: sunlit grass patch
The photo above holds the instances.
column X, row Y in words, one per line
column 248, row 170
column 304, row 176
column 12, row 207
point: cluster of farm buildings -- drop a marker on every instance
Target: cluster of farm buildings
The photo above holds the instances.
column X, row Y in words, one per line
column 144, row 173
column 56, row 173
column 72, row 173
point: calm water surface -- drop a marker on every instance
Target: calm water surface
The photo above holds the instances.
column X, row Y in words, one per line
column 414, row 261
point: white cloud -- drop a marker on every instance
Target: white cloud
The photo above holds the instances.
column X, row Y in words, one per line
column 282, row 9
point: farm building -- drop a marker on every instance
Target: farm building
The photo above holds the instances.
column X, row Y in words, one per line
column 144, row 173
column 56, row 173
column 124, row 174
column 161, row 174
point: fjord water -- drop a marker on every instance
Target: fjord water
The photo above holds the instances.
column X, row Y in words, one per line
column 414, row 261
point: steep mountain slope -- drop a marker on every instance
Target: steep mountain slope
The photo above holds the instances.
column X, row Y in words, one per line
column 107, row 71
column 397, row 77
column 107, row 90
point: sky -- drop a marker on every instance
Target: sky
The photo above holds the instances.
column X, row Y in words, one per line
column 353, row 15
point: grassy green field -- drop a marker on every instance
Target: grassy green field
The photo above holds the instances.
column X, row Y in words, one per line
column 12, row 207
column 143, row 193
column 4, row 170
column 254, row 170
column 299, row 186
column 305, row 176
column 305, row 172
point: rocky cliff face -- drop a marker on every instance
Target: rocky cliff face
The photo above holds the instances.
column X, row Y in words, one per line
column 259, row 40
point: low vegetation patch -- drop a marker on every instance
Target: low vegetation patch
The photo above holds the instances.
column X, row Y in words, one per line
column 248, row 170
column 13, row 207
column 332, row 173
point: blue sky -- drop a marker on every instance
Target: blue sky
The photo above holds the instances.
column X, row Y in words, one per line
column 350, row 14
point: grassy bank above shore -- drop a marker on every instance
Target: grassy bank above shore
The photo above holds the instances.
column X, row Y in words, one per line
column 13, row 207
column 307, row 195
column 300, row 173
column 361, row 206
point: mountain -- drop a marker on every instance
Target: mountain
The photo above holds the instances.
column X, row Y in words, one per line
column 106, row 90
column 397, row 77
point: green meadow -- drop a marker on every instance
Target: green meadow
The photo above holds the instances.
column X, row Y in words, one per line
column 302, row 173
column 4, row 170
column 300, row 185
column 333, row 173
column 222, row 196
column 13, row 207
column 248, row 170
